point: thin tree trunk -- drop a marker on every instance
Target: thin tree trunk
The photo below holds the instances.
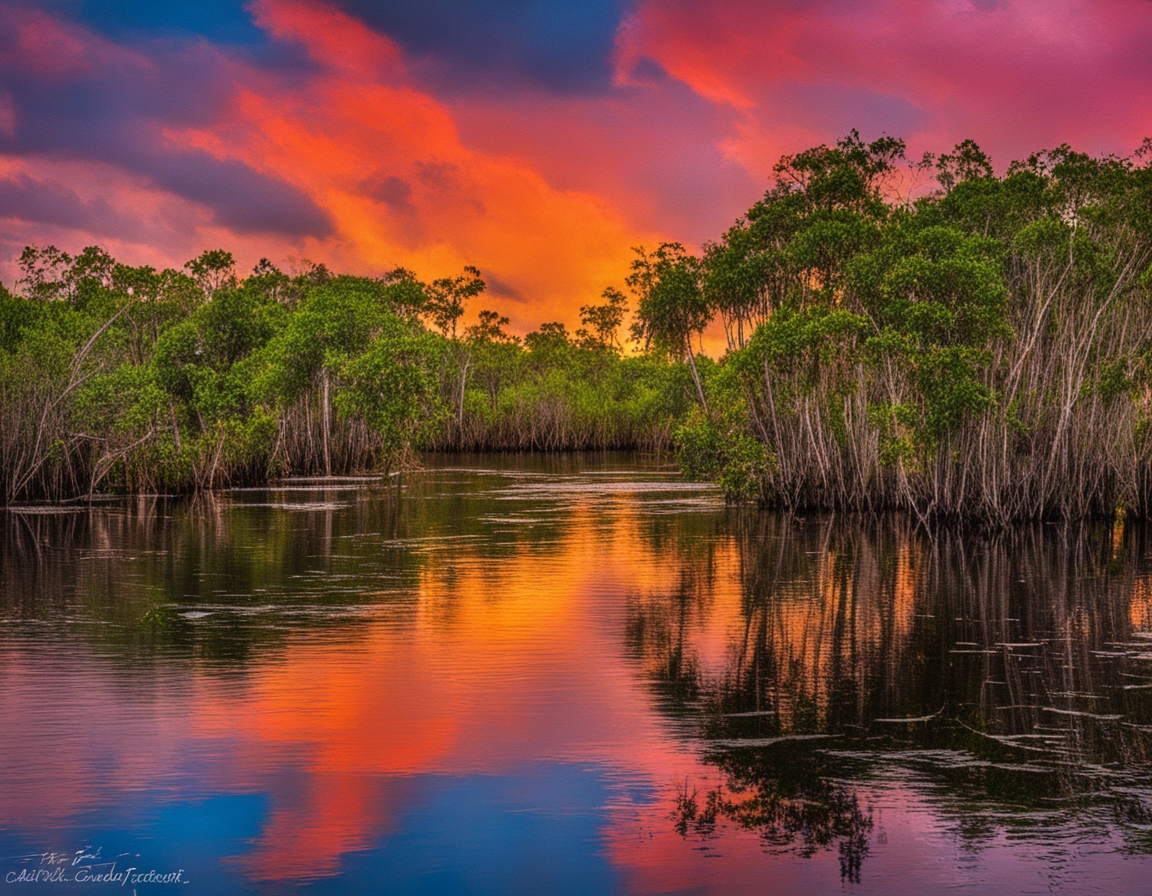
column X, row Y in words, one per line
column 696, row 379
column 327, row 424
column 175, row 425
column 460, row 405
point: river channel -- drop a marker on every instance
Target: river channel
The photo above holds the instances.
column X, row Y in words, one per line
column 566, row 675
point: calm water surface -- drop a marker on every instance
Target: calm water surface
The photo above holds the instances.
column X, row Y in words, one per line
column 575, row 675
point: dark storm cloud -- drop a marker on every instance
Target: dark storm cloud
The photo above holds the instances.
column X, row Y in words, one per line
column 220, row 21
column 46, row 202
column 240, row 198
column 503, row 289
column 565, row 48
column 393, row 191
column 115, row 110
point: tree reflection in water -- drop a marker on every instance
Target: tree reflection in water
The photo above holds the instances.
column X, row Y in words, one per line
column 790, row 797
column 826, row 669
column 1011, row 673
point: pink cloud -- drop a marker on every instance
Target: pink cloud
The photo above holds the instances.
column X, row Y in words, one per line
column 1014, row 76
column 363, row 164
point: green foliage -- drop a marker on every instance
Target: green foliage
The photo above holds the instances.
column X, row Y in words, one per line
column 213, row 270
column 489, row 328
column 672, row 307
column 556, row 392
column 738, row 462
column 114, row 377
column 967, row 162
column 444, row 299
column 980, row 349
column 850, row 175
column 700, row 448
column 813, row 339
column 601, row 322
column 392, row 386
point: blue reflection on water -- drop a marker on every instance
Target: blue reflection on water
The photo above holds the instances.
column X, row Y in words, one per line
column 539, row 831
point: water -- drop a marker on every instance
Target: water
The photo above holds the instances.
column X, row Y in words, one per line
column 574, row 675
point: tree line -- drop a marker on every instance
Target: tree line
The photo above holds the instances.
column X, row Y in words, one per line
column 130, row 379
column 925, row 335
column 922, row 335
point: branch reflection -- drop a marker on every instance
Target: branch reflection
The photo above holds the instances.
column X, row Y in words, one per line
column 1013, row 672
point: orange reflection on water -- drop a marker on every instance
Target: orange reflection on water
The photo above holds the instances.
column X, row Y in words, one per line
column 590, row 630
column 511, row 658
column 1140, row 609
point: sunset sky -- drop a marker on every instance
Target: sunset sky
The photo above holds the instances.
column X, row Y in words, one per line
column 538, row 141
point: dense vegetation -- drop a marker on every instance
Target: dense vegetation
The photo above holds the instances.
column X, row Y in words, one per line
column 983, row 351
column 925, row 336
column 115, row 377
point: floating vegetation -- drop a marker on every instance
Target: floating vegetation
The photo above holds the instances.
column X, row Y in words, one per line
column 161, row 616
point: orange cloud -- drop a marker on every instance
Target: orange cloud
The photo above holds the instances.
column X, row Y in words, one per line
column 387, row 163
column 381, row 157
column 544, row 190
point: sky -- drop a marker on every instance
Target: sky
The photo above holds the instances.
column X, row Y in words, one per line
column 537, row 141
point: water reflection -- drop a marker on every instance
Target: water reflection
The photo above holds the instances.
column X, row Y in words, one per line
column 572, row 674
column 1012, row 673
